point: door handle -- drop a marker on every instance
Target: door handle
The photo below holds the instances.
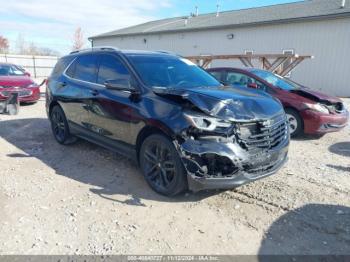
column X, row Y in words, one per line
column 94, row 92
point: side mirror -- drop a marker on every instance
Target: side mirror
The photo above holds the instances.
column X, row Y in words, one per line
column 27, row 74
column 253, row 85
column 122, row 84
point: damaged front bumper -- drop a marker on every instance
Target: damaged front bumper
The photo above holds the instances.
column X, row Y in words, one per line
column 318, row 123
column 222, row 165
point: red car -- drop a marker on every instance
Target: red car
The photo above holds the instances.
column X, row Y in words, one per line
column 308, row 111
column 14, row 80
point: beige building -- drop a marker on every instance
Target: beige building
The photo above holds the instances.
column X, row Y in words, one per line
column 314, row 27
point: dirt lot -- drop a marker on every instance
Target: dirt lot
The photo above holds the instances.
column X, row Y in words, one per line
column 83, row 199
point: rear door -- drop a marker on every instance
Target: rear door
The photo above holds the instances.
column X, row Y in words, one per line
column 76, row 90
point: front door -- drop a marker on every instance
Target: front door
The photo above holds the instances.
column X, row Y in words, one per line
column 111, row 110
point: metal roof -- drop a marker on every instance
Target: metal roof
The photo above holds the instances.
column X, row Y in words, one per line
column 297, row 11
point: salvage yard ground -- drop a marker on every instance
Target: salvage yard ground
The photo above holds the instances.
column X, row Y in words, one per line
column 83, row 199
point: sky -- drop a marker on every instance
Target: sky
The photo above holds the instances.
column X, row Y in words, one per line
column 51, row 24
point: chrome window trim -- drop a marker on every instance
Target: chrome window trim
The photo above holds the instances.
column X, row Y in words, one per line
column 76, row 79
column 82, row 81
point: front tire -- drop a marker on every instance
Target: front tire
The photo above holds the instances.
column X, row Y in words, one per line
column 296, row 125
column 59, row 126
column 161, row 166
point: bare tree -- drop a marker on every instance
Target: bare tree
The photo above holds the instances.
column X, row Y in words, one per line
column 4, row 44
column 48, row 52
column 32, row 49
column 78, row 40
column 20, row 44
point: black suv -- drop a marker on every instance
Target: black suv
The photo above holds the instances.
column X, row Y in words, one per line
column 184, row 129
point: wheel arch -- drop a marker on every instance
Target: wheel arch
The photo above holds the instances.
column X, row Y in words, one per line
column 52, row 105
column 150, row 130
column 297, row 112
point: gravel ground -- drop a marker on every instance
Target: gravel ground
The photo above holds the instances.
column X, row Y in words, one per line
column 83, row 199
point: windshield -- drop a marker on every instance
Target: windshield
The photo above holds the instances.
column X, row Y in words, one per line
column 276, row 80
column 172, row 72
column 10, row 70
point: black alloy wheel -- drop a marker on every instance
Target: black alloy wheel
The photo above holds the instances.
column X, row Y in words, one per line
column 162, row 166
column 59, row 126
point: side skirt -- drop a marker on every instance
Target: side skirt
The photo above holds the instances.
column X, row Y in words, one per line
column 119, row 147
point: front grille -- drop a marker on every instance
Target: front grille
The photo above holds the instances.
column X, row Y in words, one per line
column 258, row 169
column 21, row 93
column 11, row 86
column 266, row 134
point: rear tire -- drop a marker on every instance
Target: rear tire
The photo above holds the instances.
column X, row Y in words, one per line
column 296, row 124
column 161, row 166
column 59, row 126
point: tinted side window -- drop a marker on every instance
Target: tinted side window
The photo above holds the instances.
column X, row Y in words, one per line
column 234, row 78
column 86, row 68
column 238, row 79
column 217, row 75
column 60, row 66
column 71, row 70
column 111, row 69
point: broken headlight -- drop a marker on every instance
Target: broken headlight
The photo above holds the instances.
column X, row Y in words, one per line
column 206, row 123
column 318, row 107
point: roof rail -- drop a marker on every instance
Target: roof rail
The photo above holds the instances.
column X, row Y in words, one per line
column 95, row 48
column 167, row 52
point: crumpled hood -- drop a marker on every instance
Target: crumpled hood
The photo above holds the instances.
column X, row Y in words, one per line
column 228, row 102
column 315, row 95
